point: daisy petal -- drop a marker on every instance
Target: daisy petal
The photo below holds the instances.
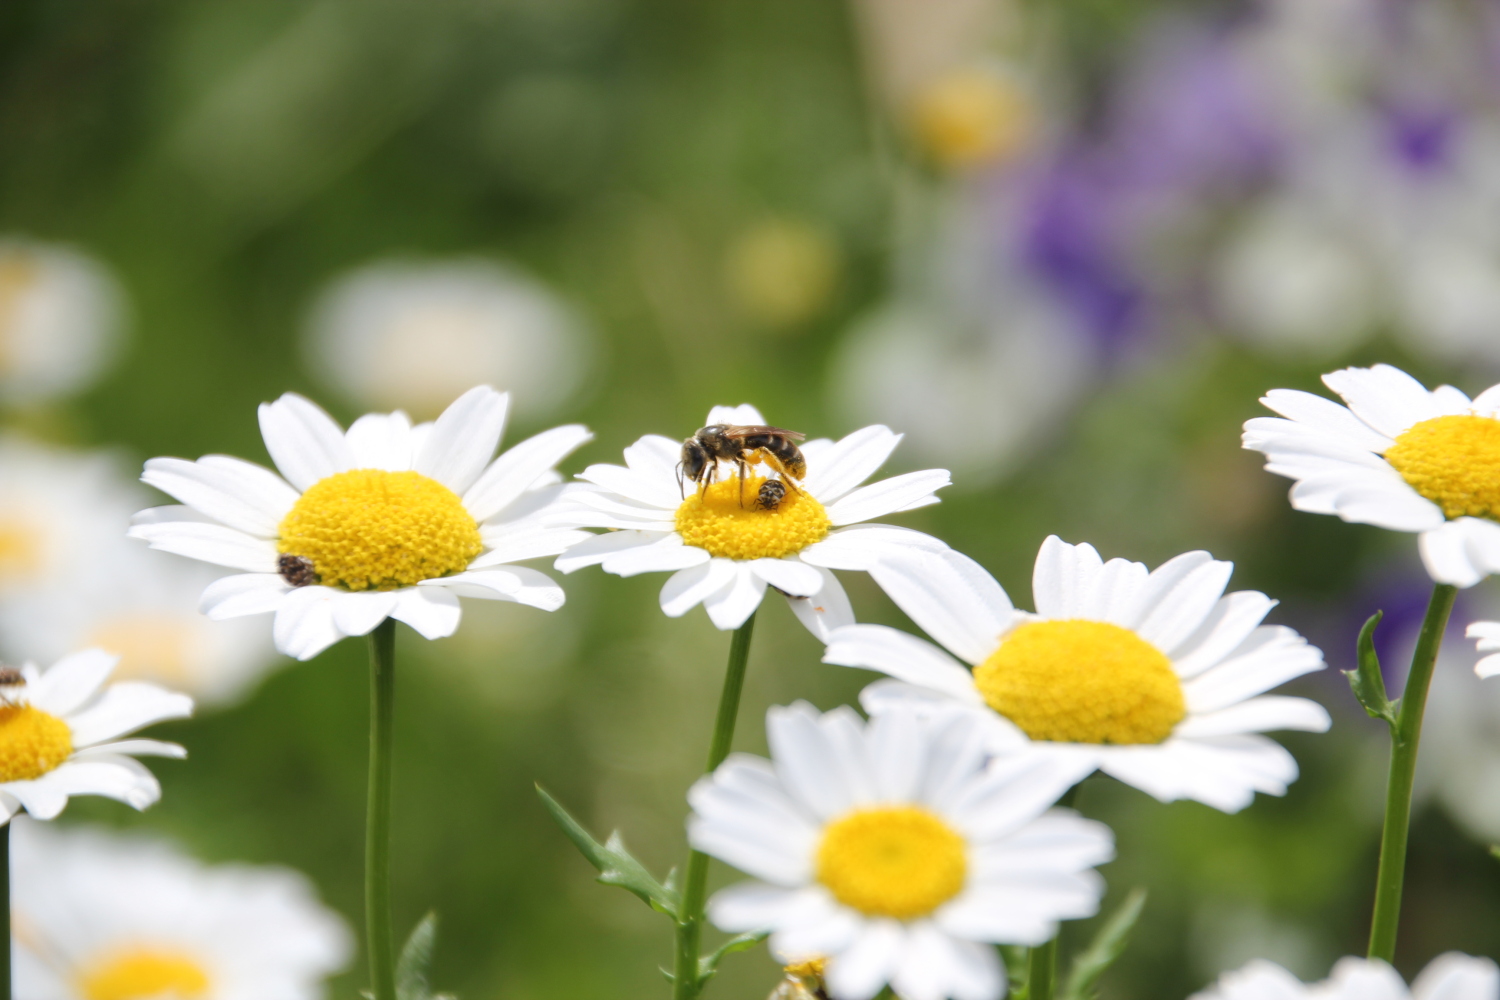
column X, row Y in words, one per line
column 463, row 438
column 305, row 442
column 518, row 469
column 886, row 496
column 1271, row 656
column 790, row 576
column 751, row 906
column 1258, row 715
column 1488, row 666
column 242, row 496
column 649, row 489
column 667, row 554
column 380, row 441
column 71, row 681
column 125, row 707
column 304, row 623
column 520, row 584
column 517, row 543
column 1457, row 977
column 1062, row 576
column 432, row 611
column 729, row 607
column 211, row 543
column 1386, row 398
column 1327, row 418
column 688, row 588
column 140, row 748
column 45, row 799
column 1227, row 626
column 1224, row 772
column 744, row 414
column 121, row 778
column 598, row 548
column 952, row 597
column 1461, row 552
column 902, row 656
column 843, row 465
column 859, row 972
column 358, row 613
column 1183, row 606
column 863, row 546
column 825, row 611
column 243, row 594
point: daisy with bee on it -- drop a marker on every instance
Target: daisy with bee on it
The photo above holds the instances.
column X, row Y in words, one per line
column 739, row 506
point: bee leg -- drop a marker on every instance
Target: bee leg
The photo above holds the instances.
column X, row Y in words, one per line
column 775, row 463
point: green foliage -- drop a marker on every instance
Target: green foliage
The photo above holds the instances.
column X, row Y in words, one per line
column 1367, row 681
column 416, row 958
column 1109, row 944
column 708, row 965
column 615, row 864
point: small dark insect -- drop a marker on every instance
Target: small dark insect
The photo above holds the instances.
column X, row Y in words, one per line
column 296, row 570
column 744, row 446
column 772, row 492
column 11, row 677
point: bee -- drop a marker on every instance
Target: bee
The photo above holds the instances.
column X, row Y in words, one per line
column 772, row 492
column 803, row 981
column 744, row 446
column 296, row 570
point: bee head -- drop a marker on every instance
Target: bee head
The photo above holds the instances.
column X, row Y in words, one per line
column 695, row 458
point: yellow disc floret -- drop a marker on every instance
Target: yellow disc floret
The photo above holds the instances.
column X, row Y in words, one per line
column 728, row 520
column 1454, row 462
column 1076, row 681
column 896, row 861
column 32, row 742
column 375, row 530
column 145, row 975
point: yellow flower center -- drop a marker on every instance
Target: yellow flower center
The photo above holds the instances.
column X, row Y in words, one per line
column 728, row 519
column 1454, row 462
column 32, row 742
column 150, row 646
column 893, row 861
column 369, row 529
column 970, row 117
column 145, row 975
column 1076, row 681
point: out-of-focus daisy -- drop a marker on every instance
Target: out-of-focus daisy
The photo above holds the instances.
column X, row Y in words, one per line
column 1488, row 636
column 1156, row 678
column 889, row 850
column 783, row 271
column 413, row 335
column 1399, row 457
column 386, row 520
column 60, row 316
column 105, row 917
column 1449, row 977
column 60, row 735
column 725, row 547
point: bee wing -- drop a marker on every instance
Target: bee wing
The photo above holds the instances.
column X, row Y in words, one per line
column 737, row 430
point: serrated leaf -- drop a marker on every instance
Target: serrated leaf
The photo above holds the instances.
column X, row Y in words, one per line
column 1367, row 682
column 708, row 965
column 1108, row 945
column 614, row 862
column 416, row 958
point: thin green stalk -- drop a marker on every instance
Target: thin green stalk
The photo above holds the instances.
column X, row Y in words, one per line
column 378, row 813
column 5, row 911
column 1041, row 971
column 1405, row 737
column 685, row 985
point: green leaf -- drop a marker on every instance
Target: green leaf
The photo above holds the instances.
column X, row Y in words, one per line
column 708, row 965
column 1108, row 945
column 615, row 864
column 1014, row 957
column 416, row 957
column 1366, row 681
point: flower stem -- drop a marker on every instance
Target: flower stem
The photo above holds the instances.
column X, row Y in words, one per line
column 5, row 911
column 685, row 983
column 1405, row 736
column 378, row 813
column 1041, row 971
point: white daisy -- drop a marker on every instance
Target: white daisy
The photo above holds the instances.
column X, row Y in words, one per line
column 60, row 320
column 1153, row 677
column 1398, row 456
column 1488, row 636
column 413, row 334
column 725, row 549
column 106, row 917
column 384, row 520
column 889, row 850
column 60, row 735
column 1449, row 977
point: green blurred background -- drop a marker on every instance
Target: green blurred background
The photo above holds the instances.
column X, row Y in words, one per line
column 227, row 160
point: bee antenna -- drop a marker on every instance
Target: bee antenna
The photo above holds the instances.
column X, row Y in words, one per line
column 681, row 490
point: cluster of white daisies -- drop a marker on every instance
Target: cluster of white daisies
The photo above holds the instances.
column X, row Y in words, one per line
column 892, row 851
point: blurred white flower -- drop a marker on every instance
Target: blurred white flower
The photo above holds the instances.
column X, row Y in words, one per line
column 415, row 335
column 976, row 401
column 69, row 578
column 60, row 320
column 1460, row 764
column 1450, row 977
column 106, row 917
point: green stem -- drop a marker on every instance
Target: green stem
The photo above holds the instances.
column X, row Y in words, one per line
column 378, row 813
column 1041, row 970
column 1405, row 737
column 5, row 911
column 685, row 983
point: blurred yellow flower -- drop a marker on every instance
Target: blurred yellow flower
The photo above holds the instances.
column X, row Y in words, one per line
column 970, row 117
column 783, row 272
